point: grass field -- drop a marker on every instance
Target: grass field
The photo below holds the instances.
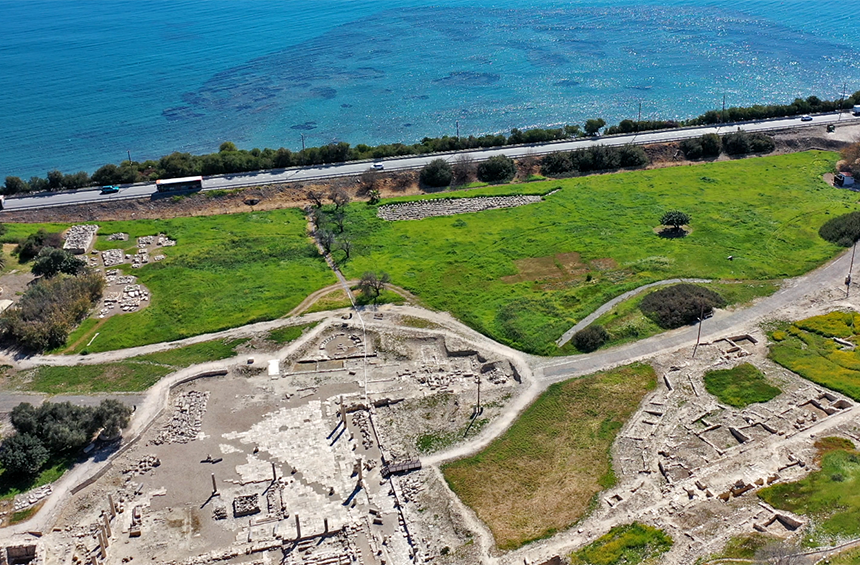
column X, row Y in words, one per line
column 225, row 271
column 851, row 557
column 633, row 544
column 525, row 275
column 283, row 336
column 543, row 473
column 807, row 348
column 830, row 497
column 626, row 322
column 133, row 374
column 740, row 386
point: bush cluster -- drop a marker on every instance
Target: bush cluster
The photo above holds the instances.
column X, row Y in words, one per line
column 597, row 158
column 35, row 242
column 49, row 310
column 56, row 430
column 741, row 143
column 437, row 173
column 709, row 145
column 497, row 169
column 591, row 338
column 680, row 304
column 842, row 230
column 800, row 106
column 630, row 126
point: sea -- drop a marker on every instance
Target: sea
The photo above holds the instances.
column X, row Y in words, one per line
column 89, row 82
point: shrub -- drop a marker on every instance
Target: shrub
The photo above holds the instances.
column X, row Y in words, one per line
column 741, row 143
column 597, row 158
column 842, row 230
column 590, row 338
column 35, row 242
column 711, row 145
column 23, row 455
column 52, row 261
column 680, row 304
column 692, row 148
column 675, row 218
column 49, row 310
column 498, row 169
column 436, row 173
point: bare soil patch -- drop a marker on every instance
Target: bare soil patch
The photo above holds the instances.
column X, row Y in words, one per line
column 561, row 265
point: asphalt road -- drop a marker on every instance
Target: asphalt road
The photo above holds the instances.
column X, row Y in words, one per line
column 52, row 199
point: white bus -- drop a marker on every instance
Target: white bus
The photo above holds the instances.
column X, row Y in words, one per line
column 184, row 183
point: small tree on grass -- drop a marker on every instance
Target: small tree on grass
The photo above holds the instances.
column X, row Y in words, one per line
column 590, row 338
column 326, row 239
column 675, row 218
column 373, row 284
column 23, row 455
column 345, row 245
column 437, row 173
column 339, row 198
column 498, row 169
column 339, row 218
column 375, row 197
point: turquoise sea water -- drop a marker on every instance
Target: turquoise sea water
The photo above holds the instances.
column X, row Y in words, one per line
column 84, row 81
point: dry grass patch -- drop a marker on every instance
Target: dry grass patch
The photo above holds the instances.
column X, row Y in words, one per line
column 542, row 474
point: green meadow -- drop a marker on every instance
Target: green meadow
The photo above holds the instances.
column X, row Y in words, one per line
column 225, row 271
column 525, row 275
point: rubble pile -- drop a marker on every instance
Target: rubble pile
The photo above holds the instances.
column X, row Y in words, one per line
column 421, row 209
column 165, row 241
column 187, row 418
column 30, row 498
column 118, row 237
column 144, row 465
column 140, row 259
column 128, row 300
column 113, row 257
column 145, row 240
column 115, row 276
column 246, row 505
column 79, row 238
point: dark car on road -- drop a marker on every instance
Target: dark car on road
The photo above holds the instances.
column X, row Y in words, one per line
column 110, row 189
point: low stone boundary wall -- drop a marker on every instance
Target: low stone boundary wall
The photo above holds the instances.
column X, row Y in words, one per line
column 420, row 209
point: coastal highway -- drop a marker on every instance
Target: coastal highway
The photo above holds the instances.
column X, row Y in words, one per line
column 53, row 199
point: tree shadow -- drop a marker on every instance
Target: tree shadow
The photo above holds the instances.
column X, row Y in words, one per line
column 669, row 232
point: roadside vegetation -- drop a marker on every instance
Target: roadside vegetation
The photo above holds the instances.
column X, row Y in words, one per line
column 523, row 276
column 632, row 544
column 230, row 159
column 829, row 497
column 743, row 548
column 808, row 348
column 541, row 475
column 740, row 386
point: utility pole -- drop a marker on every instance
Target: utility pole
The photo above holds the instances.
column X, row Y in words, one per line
column 699, row 335
column 850, row 269
column 303, row 141
column 639, row 119
column 478, row 407
column 458, row 129
column 724, row 109
column 129, row 155
column 841, row 101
